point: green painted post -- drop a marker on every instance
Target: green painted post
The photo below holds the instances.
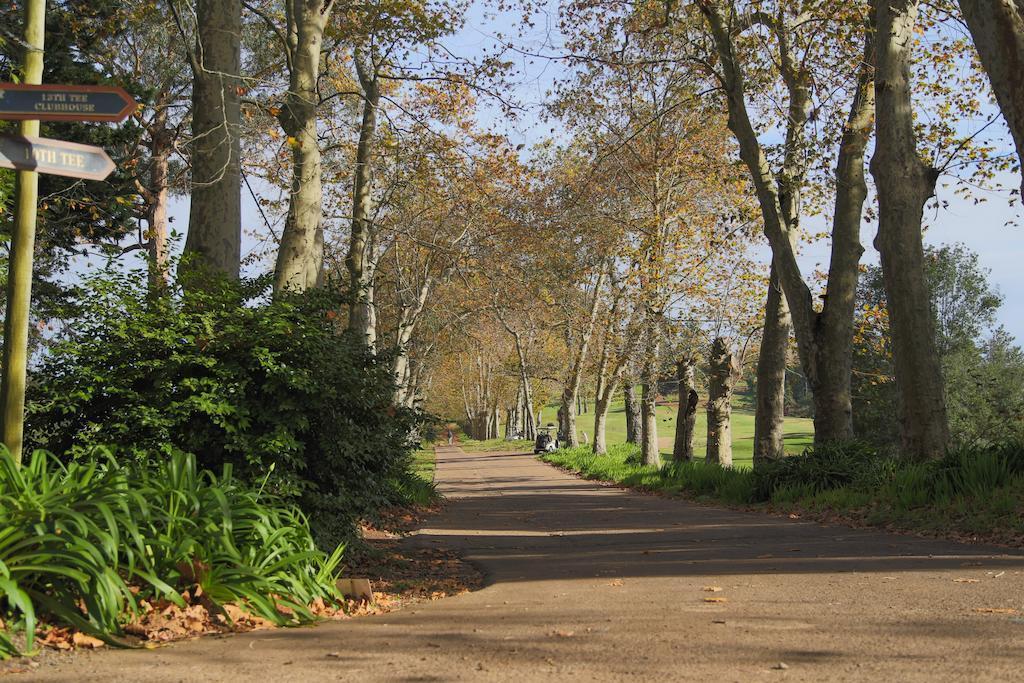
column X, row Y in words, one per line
column 19, row 276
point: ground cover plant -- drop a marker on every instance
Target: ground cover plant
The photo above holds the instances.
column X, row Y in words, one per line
column 92, row 542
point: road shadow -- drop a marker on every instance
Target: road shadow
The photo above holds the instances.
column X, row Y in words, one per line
column 520, row 520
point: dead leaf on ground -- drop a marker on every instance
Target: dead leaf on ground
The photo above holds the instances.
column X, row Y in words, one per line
column 616, row 583
column 82, row 640
column 563, row 634
column 995, row 610
column 966, row 581
column 713, row 589
column 715, row 600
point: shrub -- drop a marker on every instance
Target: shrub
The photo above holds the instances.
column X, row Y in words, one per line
column 83, row 542
column 822, row 468
column 975, row 473
column 229, row 375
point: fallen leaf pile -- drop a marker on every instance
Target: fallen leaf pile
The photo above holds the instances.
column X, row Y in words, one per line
column 402, row 574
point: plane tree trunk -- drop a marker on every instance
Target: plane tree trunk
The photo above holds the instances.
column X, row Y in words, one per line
column 998, row 30
column 300, row 255
column 649, row 450
column 769, row 415
column 632, row 408
column 359, row 259
column 571, row 389
column 215, row 212
column 686, row 417
column 905, row 183
column 723, row 372
column 824, row 338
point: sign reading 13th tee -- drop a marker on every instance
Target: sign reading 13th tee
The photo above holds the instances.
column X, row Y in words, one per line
column 55, row 157
column 19, row 102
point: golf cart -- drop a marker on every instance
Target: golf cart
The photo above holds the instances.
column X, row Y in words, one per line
column 547, row 440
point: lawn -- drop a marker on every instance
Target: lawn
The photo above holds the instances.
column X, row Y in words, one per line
column 799, row 431
column 423, row 462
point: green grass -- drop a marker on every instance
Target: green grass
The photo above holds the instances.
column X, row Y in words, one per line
column 977, row 493
column 424, row 462
column 620, row 465
column 492, row 445
column 799, row 432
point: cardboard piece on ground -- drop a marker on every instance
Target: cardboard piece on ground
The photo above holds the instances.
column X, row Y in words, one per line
column 359, row 589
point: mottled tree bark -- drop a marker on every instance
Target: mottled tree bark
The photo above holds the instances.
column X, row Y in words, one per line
column 770, row 412
column 215, row 213
column 157, row 192
column 360, row 270
column 686, row 416
column 571, row 389
column 649, row 452
column 998, row 30
column 905, row 183
column 723, row 373
column 300, row 255
column 632, row 407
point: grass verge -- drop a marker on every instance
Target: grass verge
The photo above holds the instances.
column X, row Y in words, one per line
column 493, row 445
column 968, row 495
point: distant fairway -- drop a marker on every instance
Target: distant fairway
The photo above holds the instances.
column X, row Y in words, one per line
column 799, row 431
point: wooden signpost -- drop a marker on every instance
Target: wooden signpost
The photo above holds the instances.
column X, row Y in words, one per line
column 97, row 103
column 30, row 155
column 54, row 157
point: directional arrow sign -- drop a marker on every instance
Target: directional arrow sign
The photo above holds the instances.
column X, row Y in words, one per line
column 55, row 157
column 64, row 103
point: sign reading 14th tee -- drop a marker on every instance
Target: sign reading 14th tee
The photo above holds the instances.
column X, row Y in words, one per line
column 54, row 157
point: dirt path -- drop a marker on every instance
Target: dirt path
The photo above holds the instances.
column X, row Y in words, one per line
column 592, row 583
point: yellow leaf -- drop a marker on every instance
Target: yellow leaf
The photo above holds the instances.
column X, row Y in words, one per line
column 82, row 640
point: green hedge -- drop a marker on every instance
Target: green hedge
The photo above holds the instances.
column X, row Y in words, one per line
column 227, row 373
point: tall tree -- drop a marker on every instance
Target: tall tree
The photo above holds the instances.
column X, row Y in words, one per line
column 823, row 337
column 300, row 254
column 905, row 183
column 215, row 213
column 998, row 30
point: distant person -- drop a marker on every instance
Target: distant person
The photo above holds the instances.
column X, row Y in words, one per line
column 451, row 436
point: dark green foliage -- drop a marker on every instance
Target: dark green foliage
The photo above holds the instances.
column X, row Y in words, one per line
column 104, row 535
column 982, row 367
column 829, row 466
column 269, row 387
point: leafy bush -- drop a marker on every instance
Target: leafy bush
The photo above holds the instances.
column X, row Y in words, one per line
column 821, row 468
column 227, row 374
column 84, row 542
